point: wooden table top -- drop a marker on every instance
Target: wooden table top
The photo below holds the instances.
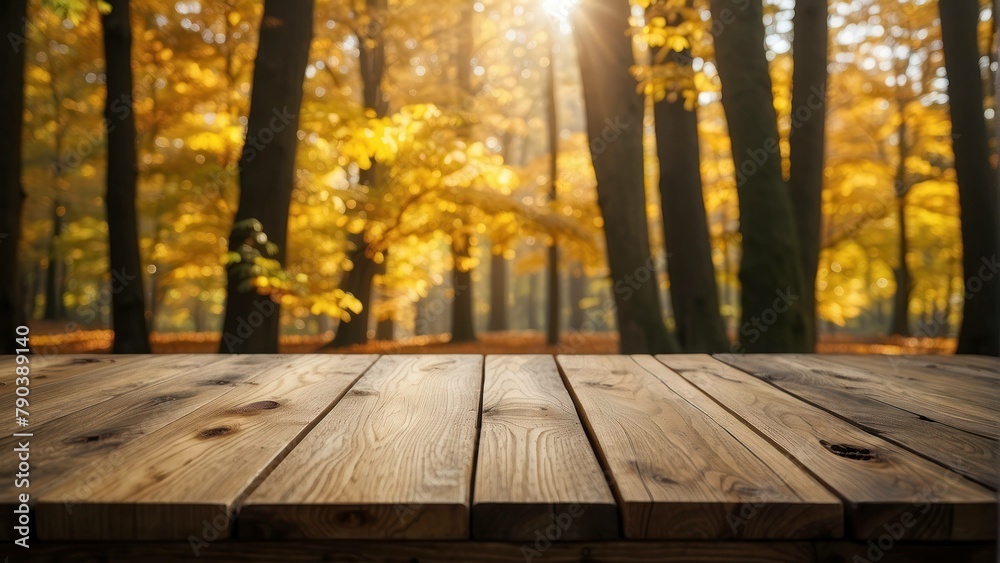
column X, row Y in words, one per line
column 521, row 452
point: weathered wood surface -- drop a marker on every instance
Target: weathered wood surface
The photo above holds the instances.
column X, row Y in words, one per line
column 66, row 443
column 969, row 401
column 536, row 468
column 883, row 484
column 392, row 460
column 792, row 452
column 58, row 393
column 685, row 468
column 185, row 479
column 850, row 394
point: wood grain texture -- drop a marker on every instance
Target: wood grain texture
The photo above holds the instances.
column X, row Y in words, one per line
column 981, row 366
column 968, row 401
column 309, row 551
column 393, row 460
column 185, row 479
column 66, row 443
column 682, row 467
column 989, row 365
column 46, row 370
column 99, row 380
column 536, row 474
column 881, row 483
column 837, row 389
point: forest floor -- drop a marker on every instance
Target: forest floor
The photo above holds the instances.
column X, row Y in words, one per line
column 46, row 338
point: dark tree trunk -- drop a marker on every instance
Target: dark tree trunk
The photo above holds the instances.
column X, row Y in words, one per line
column 809, row 56
column 770, row 268
column 12, row 56
column 128, row 299
column 531, row 302
column 614, row 112
column 358, row 282
column 498, row 293
column 977, row 181
column 420, row 320
column 693, row 290
column 462, row 308
column 552, row 118
column 267, row 165
column 904, row 285
column 946, row 313
column 577, row 292
column 54, row 273
column 553, row 302
column 384, row 330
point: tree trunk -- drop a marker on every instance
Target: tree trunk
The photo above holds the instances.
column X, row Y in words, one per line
column 693, row 290
column 531, row 303
column 552, row 118
column 13, row 21
column 577, row 292
column 809, row 56
column 358, row 282
column 462, row 308
column 614, row 114
column 498, row 293
column 267, row 165
column 770, row 268
column 384, row 330
column 904, row 286
column 977, row 181
column 420, row 320
column 54, row 273
column 128, row 300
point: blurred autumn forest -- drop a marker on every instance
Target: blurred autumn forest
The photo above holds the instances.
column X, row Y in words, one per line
column 571, row 175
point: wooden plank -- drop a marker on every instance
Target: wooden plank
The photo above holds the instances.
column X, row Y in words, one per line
column 978, row 366
column 46, row 370
column 962, row 401
column 49, row 368
column 66, row 443
column 495, row 552
column 184, row 480
column 684, row 468
column 536, row 472
column 392, row 460
column 882, row 483
column 988, row 364
column 832, row 387
column 948, row 368
column 101, row 381
column 69, row 442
